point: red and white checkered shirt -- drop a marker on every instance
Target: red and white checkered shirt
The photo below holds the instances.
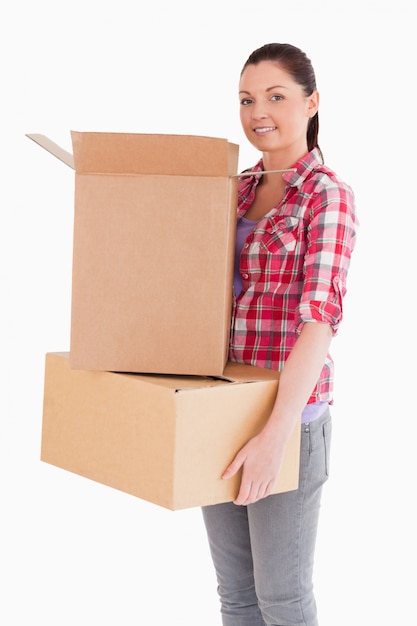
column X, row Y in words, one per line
column 293, row 267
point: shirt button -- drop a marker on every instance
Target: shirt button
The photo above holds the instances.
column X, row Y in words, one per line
column 245, row 275
column 246, row 245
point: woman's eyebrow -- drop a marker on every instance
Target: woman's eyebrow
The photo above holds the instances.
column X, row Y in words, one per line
column 276, row 87
column 267, row 89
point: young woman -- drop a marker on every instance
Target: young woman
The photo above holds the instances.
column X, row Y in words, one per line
column 295, row 236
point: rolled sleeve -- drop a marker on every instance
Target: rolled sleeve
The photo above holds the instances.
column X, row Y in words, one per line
column 325, row 311
column 331, row 240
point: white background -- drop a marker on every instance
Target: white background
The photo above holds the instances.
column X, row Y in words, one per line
column 75, row 552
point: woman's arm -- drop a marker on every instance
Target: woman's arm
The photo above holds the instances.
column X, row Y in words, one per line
column 261, row 458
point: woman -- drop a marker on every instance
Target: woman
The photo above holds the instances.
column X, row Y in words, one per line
column 295, row 235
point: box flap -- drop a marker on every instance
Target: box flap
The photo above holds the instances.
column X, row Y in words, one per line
column 53, row 148
column 135, row 153
column 176, row 382
column 233, row 373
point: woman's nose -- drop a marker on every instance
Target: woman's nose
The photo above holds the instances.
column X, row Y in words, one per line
column 259, row 111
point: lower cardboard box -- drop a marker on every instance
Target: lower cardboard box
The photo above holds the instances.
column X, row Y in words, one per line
column 165, row 439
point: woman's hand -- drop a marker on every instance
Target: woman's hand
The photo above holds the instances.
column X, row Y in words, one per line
column 260, row 460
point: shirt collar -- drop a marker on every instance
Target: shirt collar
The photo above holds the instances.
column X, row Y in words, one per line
column 303, row 168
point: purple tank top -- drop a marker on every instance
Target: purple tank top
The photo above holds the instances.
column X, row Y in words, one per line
column 243, row 229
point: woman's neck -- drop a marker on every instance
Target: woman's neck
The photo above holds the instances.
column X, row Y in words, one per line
column 284, row 159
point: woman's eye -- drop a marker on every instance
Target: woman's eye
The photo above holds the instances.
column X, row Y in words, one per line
column 245, row 101
column 276, row 98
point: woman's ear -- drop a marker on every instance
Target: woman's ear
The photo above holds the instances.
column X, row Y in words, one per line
column 313, row 103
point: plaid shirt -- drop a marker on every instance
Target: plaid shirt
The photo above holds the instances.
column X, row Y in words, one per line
column 293, row 267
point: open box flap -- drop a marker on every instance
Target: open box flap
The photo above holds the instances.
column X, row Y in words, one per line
column 139, row 153
column 49, row 145
column 147, row 154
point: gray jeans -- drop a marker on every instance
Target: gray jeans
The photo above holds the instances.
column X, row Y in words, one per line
column 263, row 553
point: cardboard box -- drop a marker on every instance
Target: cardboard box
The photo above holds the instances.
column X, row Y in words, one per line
column 154, row 233
column 165, row 439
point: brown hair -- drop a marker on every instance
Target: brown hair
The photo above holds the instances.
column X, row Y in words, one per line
column 298, row 65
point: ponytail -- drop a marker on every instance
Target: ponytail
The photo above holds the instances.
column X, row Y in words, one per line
column 313, row 134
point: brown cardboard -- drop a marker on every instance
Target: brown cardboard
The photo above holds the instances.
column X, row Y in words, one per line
column 154, row 231
column 165, row 439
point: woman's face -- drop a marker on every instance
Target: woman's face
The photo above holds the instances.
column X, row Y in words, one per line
column 274, row 111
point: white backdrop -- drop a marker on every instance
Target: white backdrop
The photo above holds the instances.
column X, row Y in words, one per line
column 75, row 552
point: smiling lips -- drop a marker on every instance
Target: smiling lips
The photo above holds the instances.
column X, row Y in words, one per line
column 266, row 129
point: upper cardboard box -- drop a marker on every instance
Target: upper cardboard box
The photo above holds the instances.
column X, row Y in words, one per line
column 153, row 255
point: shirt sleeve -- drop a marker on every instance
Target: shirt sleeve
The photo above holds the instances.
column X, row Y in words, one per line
column 331, row 235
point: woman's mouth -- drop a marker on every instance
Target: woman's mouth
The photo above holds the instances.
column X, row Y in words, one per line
column 264, row 130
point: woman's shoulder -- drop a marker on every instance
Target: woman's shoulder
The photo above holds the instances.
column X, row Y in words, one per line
column 326, row 182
